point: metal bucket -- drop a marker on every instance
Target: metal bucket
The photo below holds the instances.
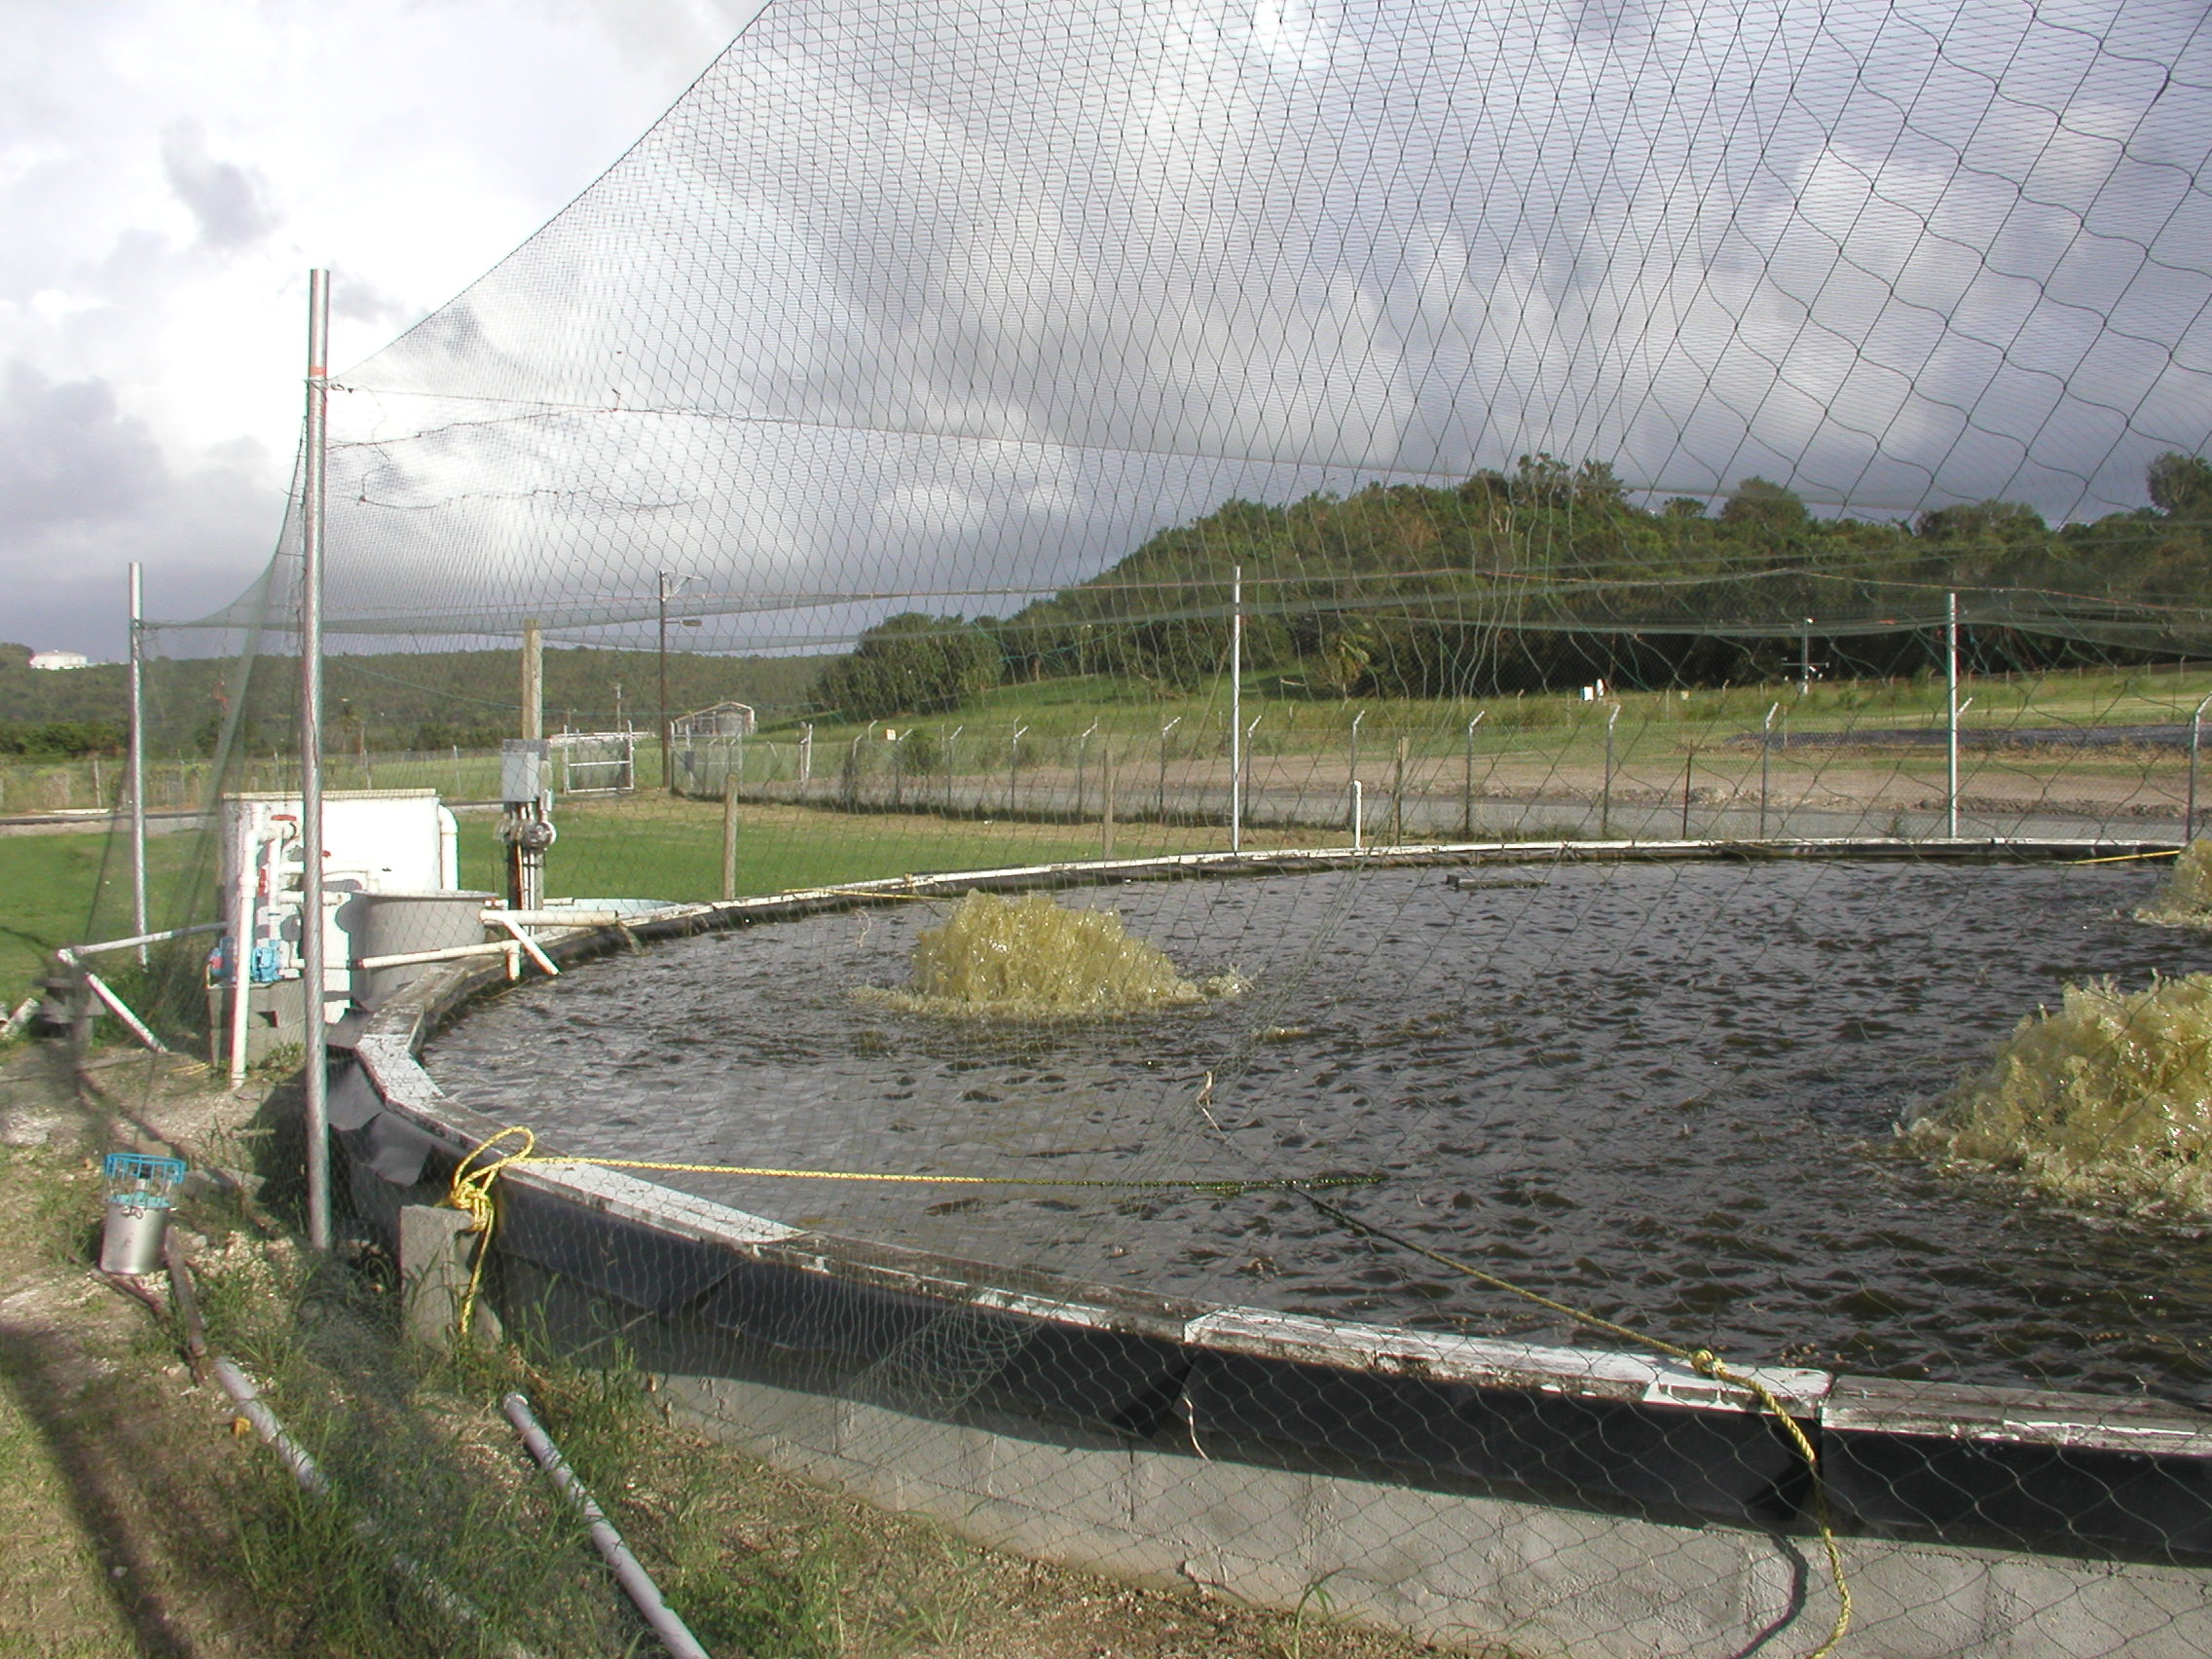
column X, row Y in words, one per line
column 131, row 1243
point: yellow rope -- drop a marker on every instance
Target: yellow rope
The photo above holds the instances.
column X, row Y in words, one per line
column 472, row 1193
column 1704, row 1361
column 475, row 1175
column 2128, row 858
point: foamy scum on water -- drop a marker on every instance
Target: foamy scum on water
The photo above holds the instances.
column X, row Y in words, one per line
column 2105, row 1099
column 1031, row 958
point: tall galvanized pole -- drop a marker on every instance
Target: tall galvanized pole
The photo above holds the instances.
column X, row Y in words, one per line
column 667, row 740
column 1951, row 720
column 138, row 763
column 2195, row 746
column 1237, row 709
column 312, row 976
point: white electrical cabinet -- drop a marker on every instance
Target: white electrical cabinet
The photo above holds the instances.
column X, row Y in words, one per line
column 374, row 841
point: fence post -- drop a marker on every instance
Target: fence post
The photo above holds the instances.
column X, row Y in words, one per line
column 1163, row 731
column 1606, row 805
column 1354, row 771
column 1398, row 794
column 1106, row 805
column 1467, row 785
column 1766, row 751
column 730, row 838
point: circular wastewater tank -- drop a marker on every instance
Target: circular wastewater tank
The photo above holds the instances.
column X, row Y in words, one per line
column 1664, row 1093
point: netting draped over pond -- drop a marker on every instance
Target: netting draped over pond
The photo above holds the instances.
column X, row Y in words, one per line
column 1013, row 435
column 910, row 300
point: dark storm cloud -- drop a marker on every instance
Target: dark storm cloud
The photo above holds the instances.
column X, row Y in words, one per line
column 68, row 456
column 226, row 199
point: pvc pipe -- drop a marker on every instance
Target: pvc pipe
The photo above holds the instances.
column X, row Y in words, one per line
column 674, row 1635
column 506, row 920
column 309, row 1473
column 116, row 1006
column 449, row 954
column 578, row 917
column 144, row 938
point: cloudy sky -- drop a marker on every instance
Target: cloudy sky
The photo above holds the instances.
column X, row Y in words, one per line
column 944, row 295
column 169, row 172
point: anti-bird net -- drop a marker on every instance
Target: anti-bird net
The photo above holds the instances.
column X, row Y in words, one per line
column 1465, row 460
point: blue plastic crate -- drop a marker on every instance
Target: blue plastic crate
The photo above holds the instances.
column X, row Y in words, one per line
column 143, row 1179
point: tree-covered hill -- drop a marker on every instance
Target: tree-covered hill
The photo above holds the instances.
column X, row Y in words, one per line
column 1551, row 574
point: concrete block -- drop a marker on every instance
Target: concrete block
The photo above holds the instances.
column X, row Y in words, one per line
column 436, row 1251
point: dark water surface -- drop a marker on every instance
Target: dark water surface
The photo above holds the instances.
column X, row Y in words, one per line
column 1662, row 1093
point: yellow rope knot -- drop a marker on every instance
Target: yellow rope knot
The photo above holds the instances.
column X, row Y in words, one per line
column 471, row 1192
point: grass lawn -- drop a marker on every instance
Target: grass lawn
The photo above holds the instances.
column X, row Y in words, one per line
column 655, row 847
column 47, row 889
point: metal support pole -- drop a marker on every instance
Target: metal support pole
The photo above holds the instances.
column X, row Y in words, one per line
column 1163, row 731
column 1398, row 793
column 1766, row 752
column 2195, row 744
column 1689, row 760
column 316, row 1073
column 1358, row 816
column 730, row 838
column 137, row 760
column 1012, row 767
column 1468, row 785
column 1237, row 709
column 667, row 744
column 1355, row 776
column 1951, row 703
column 1606, row 807
column 1106, row 800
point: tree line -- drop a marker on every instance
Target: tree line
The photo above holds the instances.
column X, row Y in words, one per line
column 1548, row 576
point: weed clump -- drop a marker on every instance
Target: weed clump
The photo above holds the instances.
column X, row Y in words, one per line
column 2187, row 897
column 1031, row 958
column 2106, row 1099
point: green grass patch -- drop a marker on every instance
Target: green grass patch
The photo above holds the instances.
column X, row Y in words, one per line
column 655, row 847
